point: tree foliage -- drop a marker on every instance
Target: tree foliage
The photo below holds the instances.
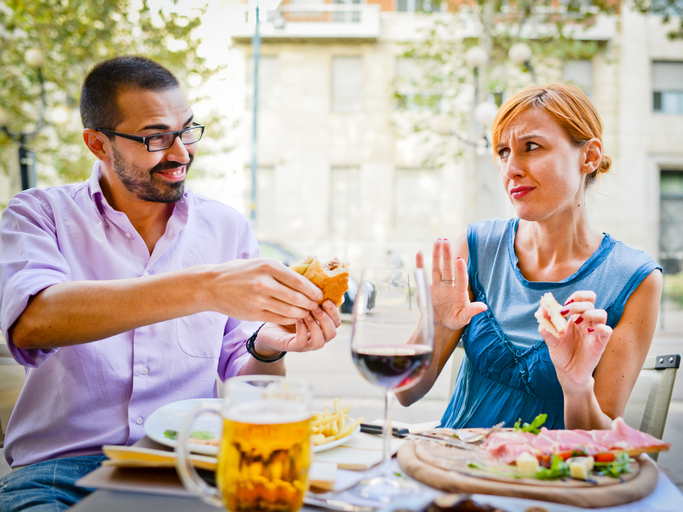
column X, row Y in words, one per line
column 445, row 85
column 74, row 35
column 667, row 9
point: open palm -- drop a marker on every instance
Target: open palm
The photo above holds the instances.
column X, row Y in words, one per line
column 450, row 295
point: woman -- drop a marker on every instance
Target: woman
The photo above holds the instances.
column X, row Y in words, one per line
column 487, row 287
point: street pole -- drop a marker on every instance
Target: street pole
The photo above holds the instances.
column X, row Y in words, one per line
column 27, row 158
column 256, row 44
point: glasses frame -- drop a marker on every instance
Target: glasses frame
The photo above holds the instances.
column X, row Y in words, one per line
column 145, row 140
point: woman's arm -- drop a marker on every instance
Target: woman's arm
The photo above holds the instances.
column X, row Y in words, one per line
column 453, row 310
column 596, row 367
column 620, row 364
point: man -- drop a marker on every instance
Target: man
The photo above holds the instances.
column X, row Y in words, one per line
column 127, row 292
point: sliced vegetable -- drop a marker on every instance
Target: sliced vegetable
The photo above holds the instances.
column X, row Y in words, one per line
column 534, row 427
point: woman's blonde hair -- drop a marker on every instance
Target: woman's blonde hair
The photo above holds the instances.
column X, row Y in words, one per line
column 567, row 105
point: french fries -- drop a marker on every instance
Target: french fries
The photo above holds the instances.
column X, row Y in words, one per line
column 328, row 427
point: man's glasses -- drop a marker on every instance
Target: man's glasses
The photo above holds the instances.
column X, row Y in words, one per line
column 161, row 141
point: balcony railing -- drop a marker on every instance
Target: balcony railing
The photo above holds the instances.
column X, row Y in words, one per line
column 326, row 21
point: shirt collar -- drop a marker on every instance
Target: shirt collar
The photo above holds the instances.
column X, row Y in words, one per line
column 100, row 201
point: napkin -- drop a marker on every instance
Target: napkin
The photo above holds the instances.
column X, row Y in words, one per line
column 359, row 453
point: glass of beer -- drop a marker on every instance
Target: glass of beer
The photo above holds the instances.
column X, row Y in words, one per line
column 265, row 447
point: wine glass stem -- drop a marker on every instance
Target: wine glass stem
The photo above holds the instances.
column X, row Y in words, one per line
column 386, row 432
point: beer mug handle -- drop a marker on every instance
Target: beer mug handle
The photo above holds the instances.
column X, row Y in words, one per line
column 188, row 474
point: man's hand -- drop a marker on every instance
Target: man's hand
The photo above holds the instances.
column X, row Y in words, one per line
column 262, row 289
column 310, row 333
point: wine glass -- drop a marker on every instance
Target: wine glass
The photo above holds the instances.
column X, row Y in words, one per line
column 392, row 340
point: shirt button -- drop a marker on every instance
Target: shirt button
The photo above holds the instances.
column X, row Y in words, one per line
column 128, row 235
column 145, row 371
column 139, row 421
column 145, row 274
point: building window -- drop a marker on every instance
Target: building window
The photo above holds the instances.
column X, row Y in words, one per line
column 418, row 5
column 347, row 17
column 411, row 92
column 267, row 83
column 579, row 73
column 667, row 87
column 671, row 221
column 347, row 84
column 416, row 193
column 344, row 200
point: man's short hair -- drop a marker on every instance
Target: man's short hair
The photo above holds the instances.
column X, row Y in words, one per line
column 104, row 83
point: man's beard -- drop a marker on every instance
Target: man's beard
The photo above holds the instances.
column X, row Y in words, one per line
column 146, row 185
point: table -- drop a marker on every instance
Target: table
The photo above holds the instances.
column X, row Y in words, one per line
column 665, row 498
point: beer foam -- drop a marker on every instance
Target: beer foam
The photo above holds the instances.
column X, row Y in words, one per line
column 268, row 413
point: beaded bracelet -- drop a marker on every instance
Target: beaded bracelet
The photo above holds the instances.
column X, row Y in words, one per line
column 255, row 355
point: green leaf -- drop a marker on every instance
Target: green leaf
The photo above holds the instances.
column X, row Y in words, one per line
column 204, row 435
column 171, row 434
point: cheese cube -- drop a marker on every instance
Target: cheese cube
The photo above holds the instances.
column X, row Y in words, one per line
column 580, row 467
column 527, row 464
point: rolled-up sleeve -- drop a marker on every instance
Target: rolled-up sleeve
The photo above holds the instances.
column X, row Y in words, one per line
column 234, row 353
column 30, row 261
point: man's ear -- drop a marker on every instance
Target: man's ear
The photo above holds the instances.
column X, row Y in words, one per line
column 592, row 156
column 98, row 144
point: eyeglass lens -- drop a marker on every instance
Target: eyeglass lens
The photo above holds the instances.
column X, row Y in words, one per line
column 165, row 140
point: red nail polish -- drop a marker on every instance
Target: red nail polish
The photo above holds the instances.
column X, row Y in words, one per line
column 445, row 239
column 590, row 329
column 564, row 311
column 459, row 258
column 569, row 302
column 579, row 320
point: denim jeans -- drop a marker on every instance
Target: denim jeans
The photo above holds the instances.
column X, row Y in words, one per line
column 48, row 486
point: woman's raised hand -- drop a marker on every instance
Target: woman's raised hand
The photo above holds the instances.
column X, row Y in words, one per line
column 450, row 294
column 578, row 350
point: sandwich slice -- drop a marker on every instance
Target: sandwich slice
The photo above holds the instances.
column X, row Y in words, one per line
column 331, row 277
column 549, row 317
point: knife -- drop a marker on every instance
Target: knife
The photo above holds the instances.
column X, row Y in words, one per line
column 377, row 429
column 340, row 505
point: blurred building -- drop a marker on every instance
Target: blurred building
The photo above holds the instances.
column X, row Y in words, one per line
column 335, row 177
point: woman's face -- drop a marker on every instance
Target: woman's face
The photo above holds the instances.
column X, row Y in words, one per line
column 542, row 170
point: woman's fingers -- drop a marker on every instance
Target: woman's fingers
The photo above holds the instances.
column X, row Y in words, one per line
column 436, row 262
column 447, row 266
column 581, row 296
column 419, row 259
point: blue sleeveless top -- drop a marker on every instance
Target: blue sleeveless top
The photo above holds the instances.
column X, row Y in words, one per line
column 507, row 372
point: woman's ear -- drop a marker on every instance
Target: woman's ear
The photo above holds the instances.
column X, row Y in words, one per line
column 592, row 156
column 98, row 144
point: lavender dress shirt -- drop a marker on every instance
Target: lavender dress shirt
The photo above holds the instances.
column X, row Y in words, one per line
column 78, row 398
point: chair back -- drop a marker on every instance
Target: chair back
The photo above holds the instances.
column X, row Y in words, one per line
column 648, row 405
column 12, row 376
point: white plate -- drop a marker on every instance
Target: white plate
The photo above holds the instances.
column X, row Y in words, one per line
column 172, row 417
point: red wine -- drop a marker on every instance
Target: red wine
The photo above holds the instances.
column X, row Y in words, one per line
column 392, row 366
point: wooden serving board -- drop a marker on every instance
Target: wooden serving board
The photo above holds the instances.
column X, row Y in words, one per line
column 446, row 468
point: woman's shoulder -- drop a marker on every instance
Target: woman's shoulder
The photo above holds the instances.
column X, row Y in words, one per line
column 491, row 228
column 623, row 254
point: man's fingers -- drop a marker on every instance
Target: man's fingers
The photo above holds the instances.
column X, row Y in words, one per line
column 326, row 324
column 297, row 282
column 317, row 339
column 333, row 312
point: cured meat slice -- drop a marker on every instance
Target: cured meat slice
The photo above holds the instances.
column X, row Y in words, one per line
column 507, row 446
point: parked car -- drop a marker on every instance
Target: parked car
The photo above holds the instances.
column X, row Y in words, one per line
column 277, row 252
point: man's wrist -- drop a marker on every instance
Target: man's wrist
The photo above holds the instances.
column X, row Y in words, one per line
column 265, row 355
